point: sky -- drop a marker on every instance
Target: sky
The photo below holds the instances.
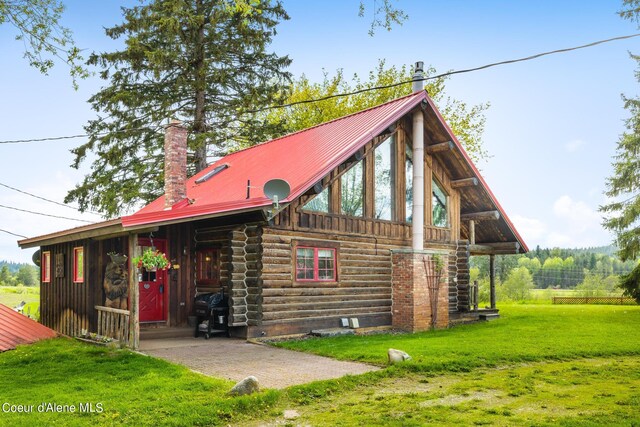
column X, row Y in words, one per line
column 551, row 128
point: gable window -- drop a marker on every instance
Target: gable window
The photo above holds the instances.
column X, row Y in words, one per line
column 385, row 179
column 45, row 265
column 352, row 190
column 78, row 265
column 439, row 204
column 320, row 203
column 208, row 266
column 315, row 264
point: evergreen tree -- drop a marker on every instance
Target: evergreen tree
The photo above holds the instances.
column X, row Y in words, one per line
column 202, row 62
column 5, row 276
column 623, row 186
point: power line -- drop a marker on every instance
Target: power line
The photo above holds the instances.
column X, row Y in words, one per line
column 448, row 73
column 43, row 198
column 13, row 234
column 339, row 95
column 44, row 214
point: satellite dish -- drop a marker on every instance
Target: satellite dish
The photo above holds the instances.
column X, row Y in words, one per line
column 277, row 189
column 36, row 257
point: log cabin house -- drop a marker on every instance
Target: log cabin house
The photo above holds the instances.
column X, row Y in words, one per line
column 385, row 208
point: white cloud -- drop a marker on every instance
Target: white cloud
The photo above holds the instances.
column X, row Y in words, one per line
column 573, row 145
column 569, row 223
column 579, row 215
column 531, row 229
column 555, row 239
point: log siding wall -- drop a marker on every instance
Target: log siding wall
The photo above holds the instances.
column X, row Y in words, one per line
column 362, row 288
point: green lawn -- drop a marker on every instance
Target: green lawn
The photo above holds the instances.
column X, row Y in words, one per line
column 523, row 333
column 131, row 389
column 584, row 392
column 13, row 295
column 556, row 365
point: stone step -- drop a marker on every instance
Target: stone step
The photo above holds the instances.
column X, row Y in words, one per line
column 333, row 332
column 489, row 316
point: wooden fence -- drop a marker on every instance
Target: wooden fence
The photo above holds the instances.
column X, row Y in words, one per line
column 113, row 323
column 595, row 300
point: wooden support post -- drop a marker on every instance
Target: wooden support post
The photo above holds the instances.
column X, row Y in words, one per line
column 134, row 295
column 492, row 280
column 472, row 232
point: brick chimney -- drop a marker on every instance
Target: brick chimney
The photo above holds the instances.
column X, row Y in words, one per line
column 175, row 163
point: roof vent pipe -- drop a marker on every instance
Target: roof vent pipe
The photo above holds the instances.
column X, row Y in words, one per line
column 418, row 166
column 418, row 77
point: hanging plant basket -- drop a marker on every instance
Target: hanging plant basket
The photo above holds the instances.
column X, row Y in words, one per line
column 151, row 260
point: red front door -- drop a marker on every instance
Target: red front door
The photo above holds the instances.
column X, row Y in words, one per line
column 152, row 286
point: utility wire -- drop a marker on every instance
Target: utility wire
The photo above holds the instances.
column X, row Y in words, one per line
column 448, row 73
column 44, row 214
column 13, row 234
column 339, row 95
column 43, row 198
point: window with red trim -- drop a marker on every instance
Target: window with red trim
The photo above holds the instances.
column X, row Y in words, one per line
column 45, row 266
column 315, row 264
column 208, row 266
column 78, row 265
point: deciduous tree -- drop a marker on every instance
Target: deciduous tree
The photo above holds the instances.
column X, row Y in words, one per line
column 38, row 27
column 467, row 122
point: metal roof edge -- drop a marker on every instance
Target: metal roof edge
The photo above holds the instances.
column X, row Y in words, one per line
column 91, row 230
column 204, row 212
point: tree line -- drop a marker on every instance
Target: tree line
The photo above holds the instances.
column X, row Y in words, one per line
column 590, row 271
column 13, row 274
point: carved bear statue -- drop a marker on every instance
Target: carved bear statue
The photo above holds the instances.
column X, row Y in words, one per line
column 116, row 284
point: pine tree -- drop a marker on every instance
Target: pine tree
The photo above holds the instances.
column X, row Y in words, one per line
column 623, row 186
column 203, row 62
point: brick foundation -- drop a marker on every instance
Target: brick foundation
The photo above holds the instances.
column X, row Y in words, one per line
column 412, row 272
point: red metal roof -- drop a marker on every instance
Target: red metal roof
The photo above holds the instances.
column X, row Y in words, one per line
column 301, row 159
column 16, row 329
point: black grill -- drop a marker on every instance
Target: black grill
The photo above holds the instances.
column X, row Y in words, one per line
column 212, row 312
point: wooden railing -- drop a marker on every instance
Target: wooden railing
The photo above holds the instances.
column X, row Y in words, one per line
column 113, row 323
column 594, row 300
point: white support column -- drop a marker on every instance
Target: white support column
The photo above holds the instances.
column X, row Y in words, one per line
column 418, row 181
column 418, row 164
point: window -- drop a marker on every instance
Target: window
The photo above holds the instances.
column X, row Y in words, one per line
column 439, row 204
column 208, row 266
column 320, row 203
column 408, row 168
column 78, row 265
column 45, row 265
column 352, row 191
column 315, row 264
column 385, row 179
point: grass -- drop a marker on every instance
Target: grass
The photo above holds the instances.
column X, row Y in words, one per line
column 13, row 295
column 132, row 389
column 524, row 333
column 583, row 392
column 537, row 365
